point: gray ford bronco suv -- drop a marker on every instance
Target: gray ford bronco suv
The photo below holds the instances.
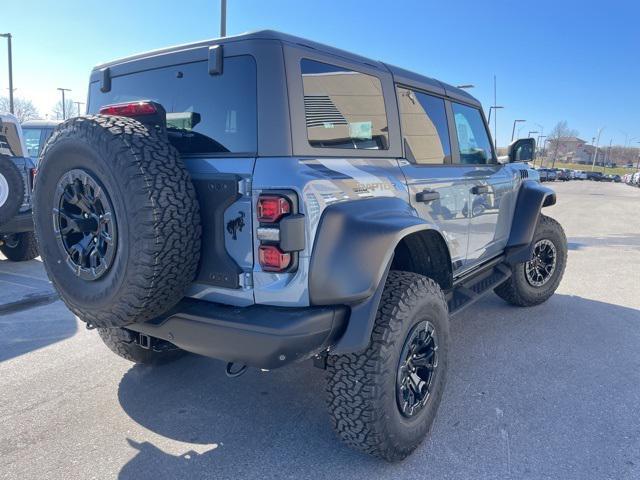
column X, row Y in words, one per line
column 17, row 173
column 264, row 199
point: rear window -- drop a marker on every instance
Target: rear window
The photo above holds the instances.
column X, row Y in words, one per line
column 206, row 114
column 32, row 140
column 343, row 108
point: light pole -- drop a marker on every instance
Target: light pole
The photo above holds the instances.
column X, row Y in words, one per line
column 532, row 131
column 540, row 150
column 492, row 108
column 595, row 152
column 64, row 107
column 495, row 140
column 223, row 18
column 466, row 85
column 78, row 105
column 8, row 37
column 513, row 130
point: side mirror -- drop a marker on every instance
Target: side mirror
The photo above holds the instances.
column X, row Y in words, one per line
column 522, row 150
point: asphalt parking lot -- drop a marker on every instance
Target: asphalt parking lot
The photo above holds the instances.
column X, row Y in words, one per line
column 546, row 392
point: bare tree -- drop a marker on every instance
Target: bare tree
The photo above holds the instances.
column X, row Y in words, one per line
column 23, row 108
column 70, row 109
column 558, row 133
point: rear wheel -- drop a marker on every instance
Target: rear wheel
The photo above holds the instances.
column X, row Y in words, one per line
column 19, row 247
column 534, row 281
column 383, row 401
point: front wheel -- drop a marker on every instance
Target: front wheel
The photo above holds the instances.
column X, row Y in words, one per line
column 533, row 282
column 383, row 400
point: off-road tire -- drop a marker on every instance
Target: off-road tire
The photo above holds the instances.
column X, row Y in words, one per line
column 361, row 387
column 12, row 198
column 20, row 247
column 156, row 215
column 517, row 290
column 121, row 342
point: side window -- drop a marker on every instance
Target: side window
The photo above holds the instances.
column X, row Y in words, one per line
column 32, row 141
column 424, row 127
column 343, row 108
column 473, row 140
column 206, row 114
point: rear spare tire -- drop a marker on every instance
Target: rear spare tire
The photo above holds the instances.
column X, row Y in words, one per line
column 117, row 220
column 11, row 189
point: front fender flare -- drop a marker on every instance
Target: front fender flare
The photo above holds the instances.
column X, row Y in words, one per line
column 532, row 197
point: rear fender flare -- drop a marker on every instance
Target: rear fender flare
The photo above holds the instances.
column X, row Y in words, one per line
column 352, row 255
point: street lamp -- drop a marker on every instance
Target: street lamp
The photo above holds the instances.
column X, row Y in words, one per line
column 8, row 37
column 513, row 130
column 466, row 85
column 532, row 131
column 64, row 107
column 540, row 149
column 493, row 107
column 223, row 18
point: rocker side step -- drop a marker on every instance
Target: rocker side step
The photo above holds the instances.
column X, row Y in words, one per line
column 470, row 290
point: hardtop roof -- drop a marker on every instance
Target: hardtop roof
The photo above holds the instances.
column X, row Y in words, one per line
column 401, row 75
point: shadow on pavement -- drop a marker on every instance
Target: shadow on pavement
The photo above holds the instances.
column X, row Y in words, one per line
column 275, row 425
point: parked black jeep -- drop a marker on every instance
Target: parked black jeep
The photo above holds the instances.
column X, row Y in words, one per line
column 264, row 199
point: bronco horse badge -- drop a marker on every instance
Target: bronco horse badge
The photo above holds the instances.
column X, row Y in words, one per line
column 236, row 225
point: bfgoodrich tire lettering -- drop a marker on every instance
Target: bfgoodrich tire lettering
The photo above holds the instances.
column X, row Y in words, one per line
column 520, row 289
column 361, row 387
column 154, row 205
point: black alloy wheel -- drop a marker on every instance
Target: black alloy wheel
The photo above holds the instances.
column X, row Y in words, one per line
column 417, row 369
column 85, row 224
column 541, row 267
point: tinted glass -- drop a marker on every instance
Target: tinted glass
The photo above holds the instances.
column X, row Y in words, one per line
column 473, row 140
column 424, row 127
column 343, row 108
column 206, row 114
column 32, row 140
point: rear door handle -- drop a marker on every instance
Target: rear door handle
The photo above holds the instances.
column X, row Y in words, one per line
column 479, row 189
column 427, row 196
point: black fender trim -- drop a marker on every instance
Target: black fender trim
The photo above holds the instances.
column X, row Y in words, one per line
column 352, row 255
column 354, row 244
column 532, row 197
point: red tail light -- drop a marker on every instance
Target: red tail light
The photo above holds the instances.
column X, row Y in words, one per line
column 272, row 259
column 34, row 172
column 132, row 109
column 271, row 208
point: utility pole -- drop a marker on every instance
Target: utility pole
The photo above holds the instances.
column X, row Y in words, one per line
column 78, row 105
column 223, row 18
column 595, row 152
column 495, row 117
column 64, row 107
column 8, row 37
column 513, row 130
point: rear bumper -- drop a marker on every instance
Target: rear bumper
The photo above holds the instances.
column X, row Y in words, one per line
column 23, row 222
column 259, row 336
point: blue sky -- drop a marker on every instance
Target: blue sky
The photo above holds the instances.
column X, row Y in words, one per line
column 554, row 60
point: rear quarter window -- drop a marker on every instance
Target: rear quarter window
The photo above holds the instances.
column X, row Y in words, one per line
column 206, row 114
column 343, row 108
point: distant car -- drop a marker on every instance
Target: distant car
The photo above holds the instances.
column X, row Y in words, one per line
column 581, row 175
column 595, row 176
column 36, row 133
column 606, row 178
column 562, row 175
column 544, row 174
column 617, row 178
